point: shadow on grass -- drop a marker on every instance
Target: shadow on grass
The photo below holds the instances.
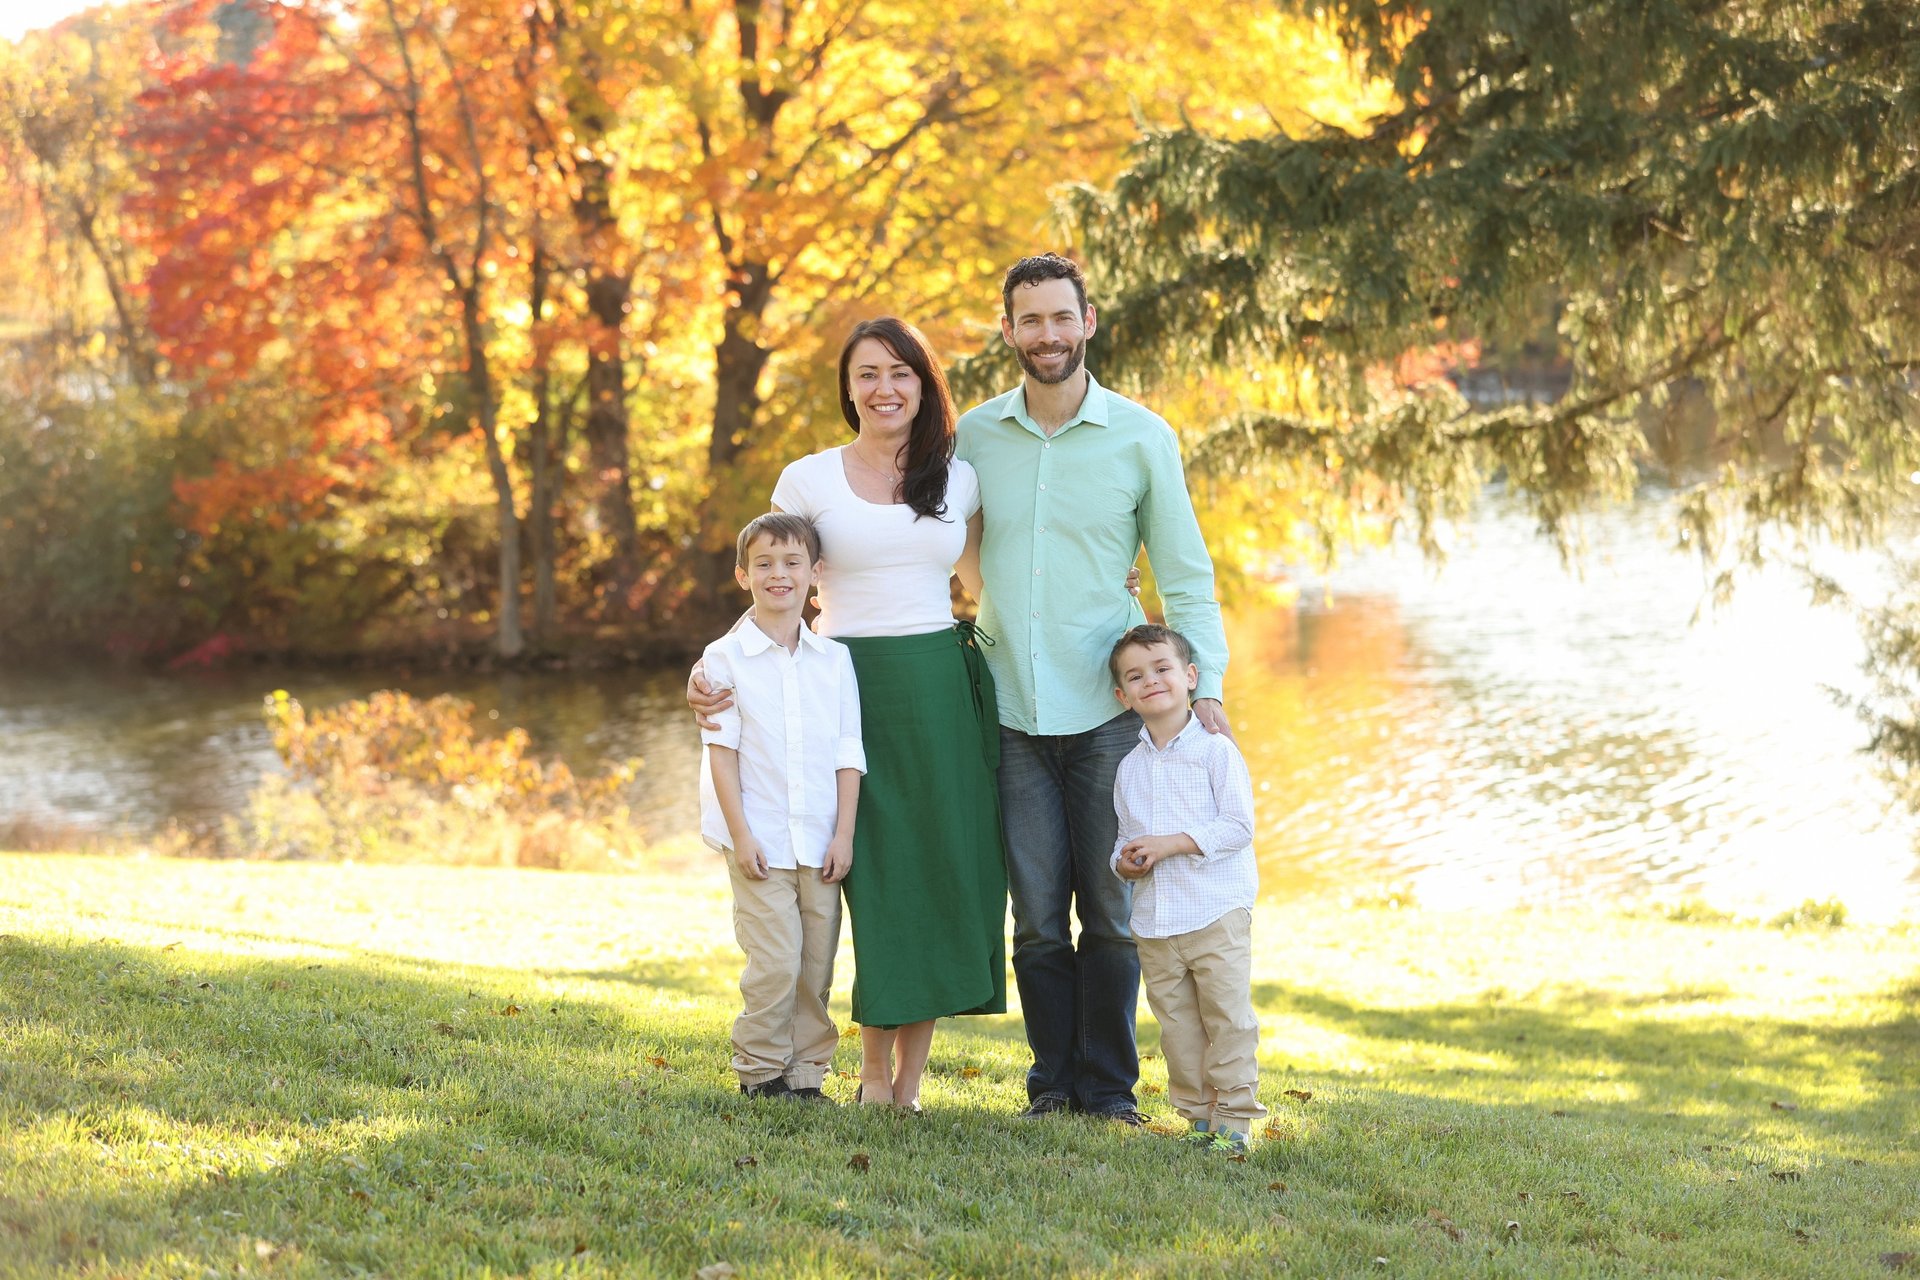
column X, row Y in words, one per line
column 1583, row 1039
column 401, row 1117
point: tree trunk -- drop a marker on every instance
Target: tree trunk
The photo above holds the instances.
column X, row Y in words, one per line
column 739, row 360
column 608, row 448
column 509, row 641
column 546, row 446
column 140, row 358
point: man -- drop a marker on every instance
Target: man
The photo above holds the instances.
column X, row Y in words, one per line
column 1074, row 480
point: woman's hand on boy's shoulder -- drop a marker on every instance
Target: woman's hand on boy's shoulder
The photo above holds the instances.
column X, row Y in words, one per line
column 705, row 700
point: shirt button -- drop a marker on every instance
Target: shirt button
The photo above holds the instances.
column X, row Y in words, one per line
column 1047, row 445
column 1036, row 573
column 1036, row 613
column 1041, row 529
column 1043, row 487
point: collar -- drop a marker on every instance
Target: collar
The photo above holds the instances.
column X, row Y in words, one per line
column 1192, row 726
column 754, row 641
column 1093, row 409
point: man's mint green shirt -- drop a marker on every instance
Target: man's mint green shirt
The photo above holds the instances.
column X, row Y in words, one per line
column 1065, row 517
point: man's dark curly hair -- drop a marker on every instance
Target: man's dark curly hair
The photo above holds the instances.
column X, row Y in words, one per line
column 1038, row 268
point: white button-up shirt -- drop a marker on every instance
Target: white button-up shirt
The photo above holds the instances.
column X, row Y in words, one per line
column 1196, row 785
column 795, row 720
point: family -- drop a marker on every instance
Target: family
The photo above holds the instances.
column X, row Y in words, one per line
column 1061, row 751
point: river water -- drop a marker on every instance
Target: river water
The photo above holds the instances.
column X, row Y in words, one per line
column 1498, row 731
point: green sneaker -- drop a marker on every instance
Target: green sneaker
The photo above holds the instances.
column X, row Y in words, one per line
column 1228, row 1143
column 1198, row 1137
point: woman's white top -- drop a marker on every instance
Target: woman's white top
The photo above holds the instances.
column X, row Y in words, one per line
column 884, row 572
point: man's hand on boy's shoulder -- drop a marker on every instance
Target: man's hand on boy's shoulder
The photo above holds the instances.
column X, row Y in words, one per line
column 1212, row 716
column 747, row 856
column 705, row 700
column 839, row 860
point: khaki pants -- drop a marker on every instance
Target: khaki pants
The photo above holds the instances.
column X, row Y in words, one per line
column 1200, row 987
column 789, row 927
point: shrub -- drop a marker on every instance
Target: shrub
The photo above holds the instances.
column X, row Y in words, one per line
column 393, row 778
column 1830, row 914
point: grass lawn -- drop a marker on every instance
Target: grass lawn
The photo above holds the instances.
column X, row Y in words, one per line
column 299, row 1070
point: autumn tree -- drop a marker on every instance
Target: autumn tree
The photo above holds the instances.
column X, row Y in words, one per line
column 336, row 209
column 853, row 157
column 64, row 96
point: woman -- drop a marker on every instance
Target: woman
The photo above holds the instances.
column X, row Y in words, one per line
column 927, row 892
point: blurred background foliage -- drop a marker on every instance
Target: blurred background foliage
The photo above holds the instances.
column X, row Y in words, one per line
column 397, row 329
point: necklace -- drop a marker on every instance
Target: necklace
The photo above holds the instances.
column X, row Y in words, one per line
column 892, row 477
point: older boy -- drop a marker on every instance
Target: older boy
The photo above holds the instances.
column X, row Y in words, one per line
column 786, row 762
column 1185, row 808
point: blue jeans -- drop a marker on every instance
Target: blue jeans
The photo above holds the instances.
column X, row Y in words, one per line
column 1056, row 803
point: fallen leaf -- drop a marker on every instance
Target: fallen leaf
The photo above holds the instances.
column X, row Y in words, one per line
column 1151, row 1089
column 1273, row 1132
column 278, row 984
column 969, row 1073
column 1802, row 1235
column 1240, row 1158
column 446, row 1028
column 1379, row 1262
column 511, row 1011
column 851, row 1033
column 1277, row 1186
column 745, row 1162
column 1668, row 1236
column 170, row 946
column 579, row 1247
column 1898, row 1261
column 1446, row 1224
column 1778, row 1105
column 718, row 1271
column 1512, row 1229
column 860, row 1163
column 204, row 986
column 1526, row 1197
column 659, row 1062
column 1558, row 1113
column 1300, row 1095
column 1786, row 1175
column 361, row 1196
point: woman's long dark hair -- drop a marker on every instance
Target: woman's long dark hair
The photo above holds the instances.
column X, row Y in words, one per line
column 930, row 440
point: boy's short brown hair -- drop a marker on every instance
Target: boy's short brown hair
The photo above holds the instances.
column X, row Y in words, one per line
column 781, row 526
column 1145, row 636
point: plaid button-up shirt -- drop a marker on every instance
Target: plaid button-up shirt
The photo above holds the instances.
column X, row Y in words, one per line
column 1197, row 785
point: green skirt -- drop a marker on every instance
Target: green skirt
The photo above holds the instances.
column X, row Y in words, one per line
column 928, row 891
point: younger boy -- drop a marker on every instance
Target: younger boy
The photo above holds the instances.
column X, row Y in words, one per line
column 1185, row 804
column 786, row 763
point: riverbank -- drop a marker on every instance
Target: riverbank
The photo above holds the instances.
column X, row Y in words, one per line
column 307, row 1070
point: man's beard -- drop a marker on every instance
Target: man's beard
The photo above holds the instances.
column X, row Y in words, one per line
column 1075, row 358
